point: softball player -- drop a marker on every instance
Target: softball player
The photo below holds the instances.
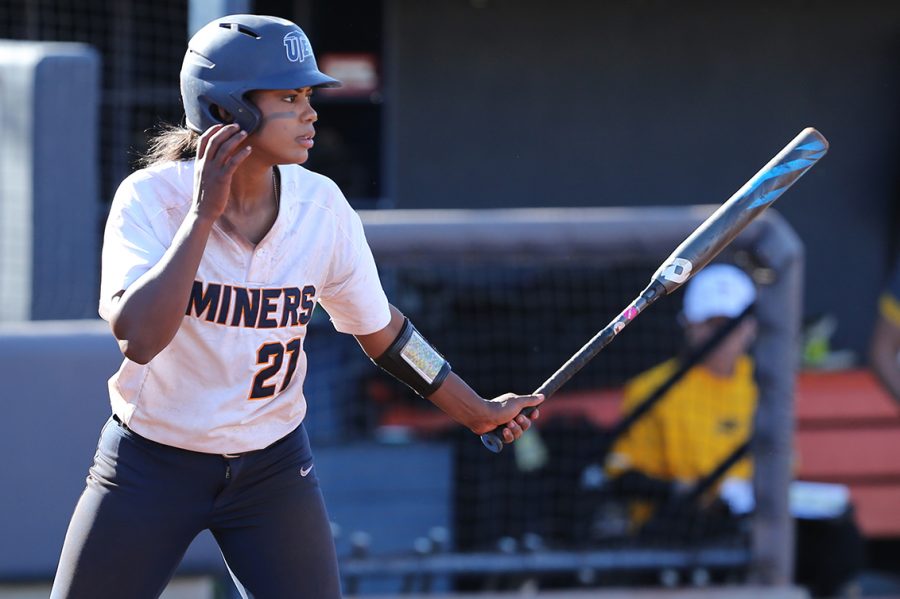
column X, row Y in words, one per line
column 214, row 258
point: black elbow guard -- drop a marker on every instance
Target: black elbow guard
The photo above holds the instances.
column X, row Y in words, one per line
column 414, row 362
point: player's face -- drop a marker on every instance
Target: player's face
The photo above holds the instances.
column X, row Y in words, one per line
column 736, row 343
column 285, row 133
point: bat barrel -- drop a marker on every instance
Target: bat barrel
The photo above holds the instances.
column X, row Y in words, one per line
column 747, row 203
column 697, row 250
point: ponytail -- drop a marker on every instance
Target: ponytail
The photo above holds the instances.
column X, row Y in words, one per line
column 171, row 143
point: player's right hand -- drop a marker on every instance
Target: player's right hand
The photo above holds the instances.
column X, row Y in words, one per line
column 506, row 412
column 219, row 153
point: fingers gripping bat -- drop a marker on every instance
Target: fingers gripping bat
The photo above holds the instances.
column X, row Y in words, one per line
column 696, row 251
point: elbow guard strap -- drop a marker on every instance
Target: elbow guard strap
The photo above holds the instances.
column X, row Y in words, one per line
column 414, row 362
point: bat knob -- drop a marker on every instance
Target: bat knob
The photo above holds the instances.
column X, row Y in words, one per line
column 492, row 441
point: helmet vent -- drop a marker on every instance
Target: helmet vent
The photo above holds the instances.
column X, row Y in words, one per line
column 240, row 28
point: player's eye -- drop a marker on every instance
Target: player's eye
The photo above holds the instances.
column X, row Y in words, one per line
column 291, row 98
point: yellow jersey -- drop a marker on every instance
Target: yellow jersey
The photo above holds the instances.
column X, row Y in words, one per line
column 690, row 431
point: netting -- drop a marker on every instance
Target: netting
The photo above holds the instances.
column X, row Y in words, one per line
column 70, row 123
column 508, row 326
column 508, row 303
column 141, row 45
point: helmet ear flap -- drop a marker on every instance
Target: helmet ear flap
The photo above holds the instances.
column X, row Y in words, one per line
column 245, row 113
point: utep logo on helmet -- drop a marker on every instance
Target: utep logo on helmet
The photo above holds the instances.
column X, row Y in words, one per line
column 296, row 46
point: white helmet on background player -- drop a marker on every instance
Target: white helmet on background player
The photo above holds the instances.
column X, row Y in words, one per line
column 718, row 290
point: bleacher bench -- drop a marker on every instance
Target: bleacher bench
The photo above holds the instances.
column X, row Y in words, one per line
column 848, row 432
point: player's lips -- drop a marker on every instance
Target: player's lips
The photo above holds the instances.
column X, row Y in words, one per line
column 306, row 140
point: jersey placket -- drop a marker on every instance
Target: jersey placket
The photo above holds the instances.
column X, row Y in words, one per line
column 259, row 266
column 262, row 257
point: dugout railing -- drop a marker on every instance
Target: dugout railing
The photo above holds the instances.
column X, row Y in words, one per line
column 466, row 276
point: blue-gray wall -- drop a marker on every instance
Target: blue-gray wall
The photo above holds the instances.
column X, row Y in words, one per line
column 50, row 99
column 53, row 386
column 569, row 103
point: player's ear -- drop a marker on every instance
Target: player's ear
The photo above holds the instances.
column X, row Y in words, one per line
column 221, row 114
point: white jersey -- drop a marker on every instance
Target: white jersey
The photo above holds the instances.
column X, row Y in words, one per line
column 232, row 378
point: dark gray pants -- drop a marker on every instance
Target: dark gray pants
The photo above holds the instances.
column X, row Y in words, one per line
column 145, row 502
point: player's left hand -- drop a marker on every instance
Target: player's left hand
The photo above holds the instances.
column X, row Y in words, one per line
column 506, row 412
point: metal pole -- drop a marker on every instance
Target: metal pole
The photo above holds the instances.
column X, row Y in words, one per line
column 779, row 311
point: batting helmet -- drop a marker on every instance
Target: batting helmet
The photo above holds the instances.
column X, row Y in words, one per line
column 236, row 54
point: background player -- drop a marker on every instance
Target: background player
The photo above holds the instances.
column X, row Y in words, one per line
column 702, row 419
column 208, row 406
column 884, row 348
